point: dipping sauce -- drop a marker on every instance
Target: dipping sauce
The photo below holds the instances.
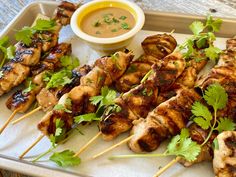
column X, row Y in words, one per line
column 108, row 22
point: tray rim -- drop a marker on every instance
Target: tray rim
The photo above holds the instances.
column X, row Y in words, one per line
column 17, row 165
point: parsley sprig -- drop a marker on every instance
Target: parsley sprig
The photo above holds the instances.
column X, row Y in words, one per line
column 180, row 145
column 200, row 46
column 26, row 33
column 217, row 98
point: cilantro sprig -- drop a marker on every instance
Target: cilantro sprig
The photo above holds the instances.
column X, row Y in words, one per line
column 57, row 79
column 30, row 86
column 7, row 50
column 105, row 103
column 65, row 158
column 180, row 145
column 59, row 134
column 62, row 77
column 217, row 98
column 201, row 45
column 26, row 33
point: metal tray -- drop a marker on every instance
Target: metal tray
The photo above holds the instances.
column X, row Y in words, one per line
column 155, row 21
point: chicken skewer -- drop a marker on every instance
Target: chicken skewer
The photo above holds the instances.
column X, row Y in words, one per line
column 14, row 73
column 143, row 96
column 22, row 100
column 17, row 70
column 186, row 79
column 105, row 71
column 156, row 48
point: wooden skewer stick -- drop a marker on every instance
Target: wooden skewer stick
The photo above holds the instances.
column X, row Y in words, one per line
column 87, row 144
column 27, row 115
column 8, row 121
column 32, row 145
column 113, row 147
column 170, row 164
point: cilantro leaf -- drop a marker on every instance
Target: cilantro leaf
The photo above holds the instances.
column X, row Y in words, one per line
column 225, row 124
column 213, row 25
column 61, row 107
column 44, row 25
column 25, row 35
column 182, row 145
column 215, row 144
column 69, row 62
column 30, row 86
column 216, row 96
column 212, row 52
column 203, row 115
column 60, row 78
column 86, row 118
column 65, row 158
column 106, row 98
column 11, row 52
column 6, row 52
column 1, row 74
column 4, row 41
column 196, row 27
column 59, row 132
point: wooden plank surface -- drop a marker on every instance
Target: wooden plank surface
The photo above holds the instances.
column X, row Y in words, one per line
column 220, row 8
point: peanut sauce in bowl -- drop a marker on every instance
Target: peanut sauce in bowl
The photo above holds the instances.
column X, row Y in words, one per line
column 108, row 22
column 107, row 25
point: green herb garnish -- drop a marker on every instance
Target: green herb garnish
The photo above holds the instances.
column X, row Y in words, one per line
column 122, row 17
column 114, row 30
column 25, row 34
column 65, row 158
column 8, row 51
column 97, row 24
column 202, row 41
column 215, row 96
column 124, row 26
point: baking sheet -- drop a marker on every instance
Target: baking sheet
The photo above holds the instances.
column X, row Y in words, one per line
column 15, row 139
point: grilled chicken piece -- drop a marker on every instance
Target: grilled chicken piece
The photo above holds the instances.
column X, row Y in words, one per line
column 47, row 99
column 104, row 71
column 28, row 56
column 20, row 101
column 159, row 45
column 64, row 12
column 143, row 98
column 190, row 74
column 224, row 162
column 48, row 123
column 51, row 61
column 57, row 52
column 164, row 121
column 48, row 39
column 154, row 53
column 12, row 75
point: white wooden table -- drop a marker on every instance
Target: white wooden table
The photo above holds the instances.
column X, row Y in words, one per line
column 220, row 8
